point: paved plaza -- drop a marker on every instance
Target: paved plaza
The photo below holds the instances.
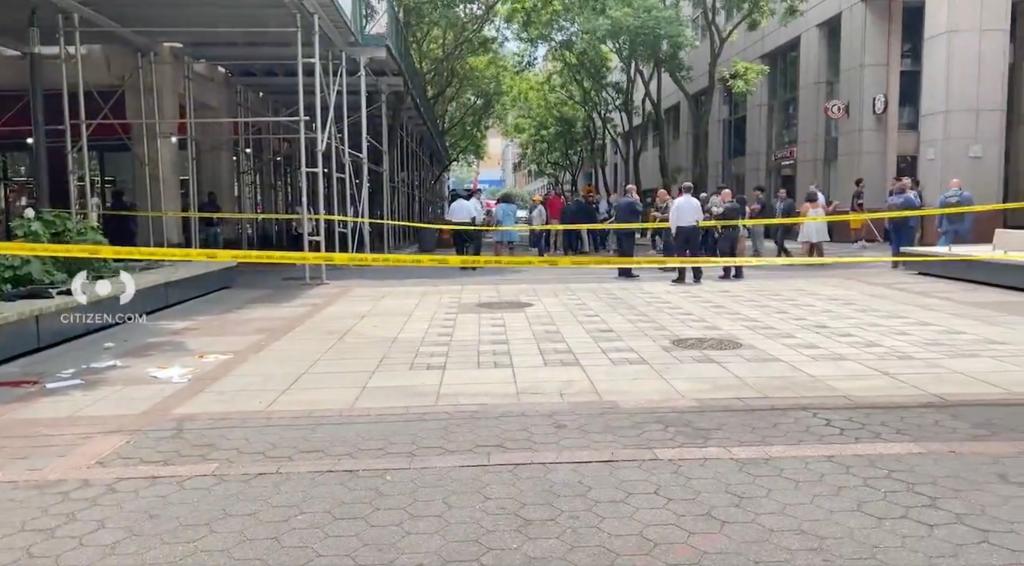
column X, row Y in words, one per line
column 405, row 416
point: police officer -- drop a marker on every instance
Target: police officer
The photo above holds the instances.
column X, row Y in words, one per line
column 729, row 237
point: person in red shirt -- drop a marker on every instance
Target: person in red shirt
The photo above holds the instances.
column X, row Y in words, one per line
column 554, row 203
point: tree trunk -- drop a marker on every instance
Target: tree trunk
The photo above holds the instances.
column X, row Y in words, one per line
column 604, row 179
column 666, row 174
column 627, row 172
column 701, row 120
column 637, row 152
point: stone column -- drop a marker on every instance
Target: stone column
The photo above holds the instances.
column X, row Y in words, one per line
column 1015, row 165
column 964, row 95
column 162, row 151
column 756, row 160
column 810, row 153
column 716, row 140
column 864, row 73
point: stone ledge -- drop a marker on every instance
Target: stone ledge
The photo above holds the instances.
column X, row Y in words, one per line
column 30, row 325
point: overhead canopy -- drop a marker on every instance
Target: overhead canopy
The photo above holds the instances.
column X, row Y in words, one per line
column 254, row 40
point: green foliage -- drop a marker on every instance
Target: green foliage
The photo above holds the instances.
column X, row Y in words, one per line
column 51, row 228
column 457, row 45
column 551, row 128
column 520, row 197
column 742, row 77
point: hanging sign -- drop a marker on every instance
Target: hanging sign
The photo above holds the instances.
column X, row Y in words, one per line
column 785, row 154
column 836, row 109
column 880, row 104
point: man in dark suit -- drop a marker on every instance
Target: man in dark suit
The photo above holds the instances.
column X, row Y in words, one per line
column 785, row 207
column 629, row 210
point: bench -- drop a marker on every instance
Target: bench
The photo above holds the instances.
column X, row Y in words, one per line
column 1008, row 241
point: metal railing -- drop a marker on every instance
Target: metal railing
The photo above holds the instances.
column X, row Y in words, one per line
column 380, row 19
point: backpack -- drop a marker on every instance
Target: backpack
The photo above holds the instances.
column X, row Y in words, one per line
column 954, row 199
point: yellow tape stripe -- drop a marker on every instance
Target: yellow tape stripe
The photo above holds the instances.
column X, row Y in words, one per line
column 276, row 257
column 557, row 227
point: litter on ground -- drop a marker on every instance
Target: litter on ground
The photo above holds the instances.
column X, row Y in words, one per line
column 62, row 384
column 174, row 374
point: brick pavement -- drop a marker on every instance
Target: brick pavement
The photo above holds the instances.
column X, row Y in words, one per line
column 855, row 510
column 881, row 427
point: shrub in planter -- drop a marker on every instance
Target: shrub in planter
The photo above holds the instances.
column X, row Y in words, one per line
column 17, row 272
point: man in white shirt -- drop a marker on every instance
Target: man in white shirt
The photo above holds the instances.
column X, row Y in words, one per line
column 461, row 212
column 477, row 236
column 684, row 221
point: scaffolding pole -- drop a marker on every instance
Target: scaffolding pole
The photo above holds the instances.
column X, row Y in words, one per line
column 332, row 142
column 385, row 159
column 239, row 162
column 347, row 158
column 159, row 156
column 318, row 111
column 69, row 153
column 190, row 143
column 82, row 129
column 145, row 147
column 303, row 198
column 364, row 198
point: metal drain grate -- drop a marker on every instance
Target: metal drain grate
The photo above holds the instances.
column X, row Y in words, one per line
column 504, row 305
column 707, row 344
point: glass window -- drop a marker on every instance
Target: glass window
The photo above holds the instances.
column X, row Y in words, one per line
column 785, row 70
column 910, row 100
column 910, row 66
column 672, row 116
column 833, row 57
column 736, row 126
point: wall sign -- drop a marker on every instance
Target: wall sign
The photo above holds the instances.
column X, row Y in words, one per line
column 836, row 109
column 880, row 104
column 785, row 154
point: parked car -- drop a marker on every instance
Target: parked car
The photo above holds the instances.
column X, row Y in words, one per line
column 522, row 216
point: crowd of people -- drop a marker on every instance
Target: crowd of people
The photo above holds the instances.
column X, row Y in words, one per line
column 686, row 216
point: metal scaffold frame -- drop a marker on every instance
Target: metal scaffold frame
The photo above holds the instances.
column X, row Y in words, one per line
column 269, row 140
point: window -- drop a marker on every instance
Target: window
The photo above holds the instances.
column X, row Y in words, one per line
column 785, row 82
column 910, row 66
column 735, row 126
column 906, row 166
column 672, row 117
column 833, row 57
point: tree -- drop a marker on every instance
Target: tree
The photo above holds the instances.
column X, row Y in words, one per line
column 551, row 129
column 456, row 44
column 646, row 36
column 719, row 21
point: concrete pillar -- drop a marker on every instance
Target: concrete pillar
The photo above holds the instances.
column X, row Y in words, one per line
column 811, row 125
column 170, row 87
column 756, row 160
column 716, row 140
column 1015, row 165
column 864, row 69
column 964, row 95
column 214, row 98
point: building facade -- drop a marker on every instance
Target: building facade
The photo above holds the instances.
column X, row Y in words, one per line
column 932, row 89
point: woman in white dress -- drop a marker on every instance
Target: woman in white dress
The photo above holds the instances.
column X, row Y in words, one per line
column 813, row 233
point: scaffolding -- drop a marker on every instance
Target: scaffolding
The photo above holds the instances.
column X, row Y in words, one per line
column 292, row 146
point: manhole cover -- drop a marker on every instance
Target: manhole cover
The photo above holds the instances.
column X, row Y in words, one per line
column 707, row 344
column 504, row 305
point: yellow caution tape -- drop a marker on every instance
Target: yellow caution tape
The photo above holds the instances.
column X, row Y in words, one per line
column 885, row 215
column 407, row 260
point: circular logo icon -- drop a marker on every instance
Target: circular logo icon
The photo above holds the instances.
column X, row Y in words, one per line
column 836, row 109
column 880, row 104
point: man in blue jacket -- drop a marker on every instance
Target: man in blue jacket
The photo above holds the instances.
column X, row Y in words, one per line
column 628, row 210
column 955, row 228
